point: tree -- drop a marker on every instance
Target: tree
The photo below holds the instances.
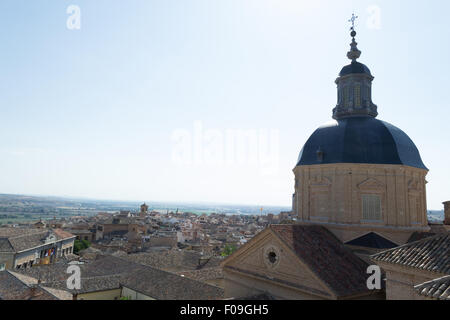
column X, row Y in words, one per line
column 86, row 244
column 80, row 245
column 228, row 250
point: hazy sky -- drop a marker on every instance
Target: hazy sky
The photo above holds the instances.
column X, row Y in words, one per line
column 144, row 101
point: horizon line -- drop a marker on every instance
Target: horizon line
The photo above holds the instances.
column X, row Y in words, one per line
column 67, row 197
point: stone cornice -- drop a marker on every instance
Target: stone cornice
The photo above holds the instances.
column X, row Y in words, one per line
column 368, row 226
column 363, row 166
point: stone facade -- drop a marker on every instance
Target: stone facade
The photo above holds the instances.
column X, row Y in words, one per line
column 333, row 194
column 7, row 260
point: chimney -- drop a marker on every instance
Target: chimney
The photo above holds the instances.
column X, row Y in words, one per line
column 447, row 213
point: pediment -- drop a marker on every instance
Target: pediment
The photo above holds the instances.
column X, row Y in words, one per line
column 371, row 183
column 268, row 258
column 50, row 238
column 320, row 180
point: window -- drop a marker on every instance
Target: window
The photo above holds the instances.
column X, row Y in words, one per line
column 272, row 257
column 346, row 91
column 366, row 93
column 371, row 207
column 357, row 96
column 2, row 266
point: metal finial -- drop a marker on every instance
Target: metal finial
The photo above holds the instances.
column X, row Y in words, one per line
column 352, row 20
column 354, row 53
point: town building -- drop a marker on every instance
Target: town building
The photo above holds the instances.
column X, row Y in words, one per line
column 26, row 247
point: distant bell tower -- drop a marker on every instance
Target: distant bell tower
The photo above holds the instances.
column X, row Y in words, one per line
column 144, row 210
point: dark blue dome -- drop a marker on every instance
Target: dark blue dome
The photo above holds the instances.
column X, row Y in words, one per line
column 360, row 140
column 354, row 67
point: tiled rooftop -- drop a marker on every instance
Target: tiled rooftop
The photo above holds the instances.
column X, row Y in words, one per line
column 109, row 272
column 12, row 288
column 436, row 289
column 174, row 260
column 163, row 285
column 89, row 285
column 203, row 274
column 430, row 254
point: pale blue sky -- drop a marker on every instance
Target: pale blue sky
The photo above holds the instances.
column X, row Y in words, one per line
column 92, row 112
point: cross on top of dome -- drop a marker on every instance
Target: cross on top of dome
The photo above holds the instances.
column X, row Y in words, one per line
column 354, row 53
column 352, row 20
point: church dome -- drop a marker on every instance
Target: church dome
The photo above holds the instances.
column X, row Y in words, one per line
column 358, row 174
column 360, row 140
column 355, row 68
column 355, row 135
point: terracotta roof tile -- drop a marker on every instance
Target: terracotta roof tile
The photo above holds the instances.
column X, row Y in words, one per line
column 107, row 272
column 436, row 289
column 174, row 260
column 203, row 274
column 430, row 254
column 12, row 288
column 89, row 285
column 61, row 234
column 163, row 285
